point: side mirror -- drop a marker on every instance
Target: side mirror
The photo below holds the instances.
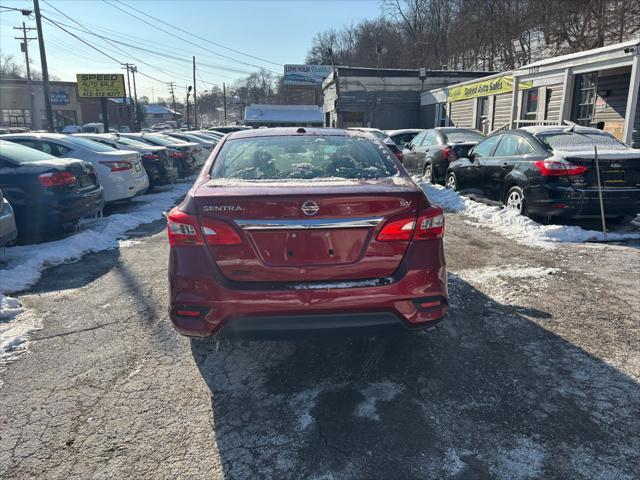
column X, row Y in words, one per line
column 408, row 145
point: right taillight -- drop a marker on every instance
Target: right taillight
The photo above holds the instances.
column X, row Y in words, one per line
column 559, row 168
column 429, row 225
column 57, row 179
column 183, row 230
column 117, row 166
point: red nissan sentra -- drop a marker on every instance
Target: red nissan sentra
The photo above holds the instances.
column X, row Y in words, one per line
column 304, row 229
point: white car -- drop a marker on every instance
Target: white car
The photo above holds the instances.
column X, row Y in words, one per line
column 205, row 146
column 120, row 172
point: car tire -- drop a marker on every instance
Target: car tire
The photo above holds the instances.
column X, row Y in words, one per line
column 515, row 200
column 452, row 182
column 427, row 173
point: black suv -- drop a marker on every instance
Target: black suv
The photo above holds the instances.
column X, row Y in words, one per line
column 430, row 152
column 549, row 172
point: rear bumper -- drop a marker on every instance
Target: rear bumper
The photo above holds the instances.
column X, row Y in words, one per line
column 567, row 202
column 267, row 308
column 58, row 213
column 126, row 187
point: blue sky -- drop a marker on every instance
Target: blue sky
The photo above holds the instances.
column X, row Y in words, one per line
column 276, row 30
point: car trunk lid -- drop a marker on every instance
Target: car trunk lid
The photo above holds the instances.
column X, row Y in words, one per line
column 292, row 231
column 618, row 169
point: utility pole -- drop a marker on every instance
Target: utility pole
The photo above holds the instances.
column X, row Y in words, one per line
column 24, row 46
column 224, row 98
column 127, row 66
column 195, row 104
column 173, row 97
column 45, row 69
column 134, row 69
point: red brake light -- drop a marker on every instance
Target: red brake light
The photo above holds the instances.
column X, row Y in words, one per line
column 183, row 230
column 150, row 156
column 118, row 166
column 559, row 168
column 449, row 154
column 177, row 154
column 399, row 155
column 398, row 229
column 57, row 179
column 430, row 224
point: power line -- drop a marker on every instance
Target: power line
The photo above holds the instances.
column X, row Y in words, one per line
column 54, row 23
column 199, row 37
column 183, row 39
column 140, row 40
column 163, row 55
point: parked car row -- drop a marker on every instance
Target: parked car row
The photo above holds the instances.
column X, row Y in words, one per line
column 551, row 173
column 49, row 195
column 51, row 181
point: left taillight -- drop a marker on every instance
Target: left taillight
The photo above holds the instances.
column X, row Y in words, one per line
column 450, row 154
column 183, row 230
column 57, row 179
column 559, row 168
column 428, row 226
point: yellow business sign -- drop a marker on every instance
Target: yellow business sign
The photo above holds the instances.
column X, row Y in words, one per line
column 101, row 85
column 485, row 88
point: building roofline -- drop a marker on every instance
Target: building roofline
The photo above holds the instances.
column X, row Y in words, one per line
column 583, row 53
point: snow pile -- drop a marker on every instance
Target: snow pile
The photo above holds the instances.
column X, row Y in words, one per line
column 515, row 226
column 9, row 307
column 24, row 264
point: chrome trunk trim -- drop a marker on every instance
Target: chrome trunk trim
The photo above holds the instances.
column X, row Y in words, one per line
column 309, row 224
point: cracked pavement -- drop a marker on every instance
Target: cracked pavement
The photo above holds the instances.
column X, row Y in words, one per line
column 534, row 374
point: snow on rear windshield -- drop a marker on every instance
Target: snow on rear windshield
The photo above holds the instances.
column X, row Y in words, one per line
column 579, row 141
column 459, row 136
column 303, row 157
column 89, row 144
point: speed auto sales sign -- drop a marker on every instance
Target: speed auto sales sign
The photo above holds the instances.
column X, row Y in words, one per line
column 101, row 85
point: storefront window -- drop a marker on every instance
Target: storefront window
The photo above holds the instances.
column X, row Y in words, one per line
column 16, row 118
column 482, row 116
column 530, row 107
column 584, row 97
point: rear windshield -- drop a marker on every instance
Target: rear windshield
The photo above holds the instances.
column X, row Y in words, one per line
column 460, row 136
column 14, row 152
column 130, row 142
column 158, row 140
column 303, row 157
column 89, row 144
column 579, row 141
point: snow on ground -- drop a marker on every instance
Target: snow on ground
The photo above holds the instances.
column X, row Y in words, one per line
column 505, row 284
column 23, row 265
column 515, row 226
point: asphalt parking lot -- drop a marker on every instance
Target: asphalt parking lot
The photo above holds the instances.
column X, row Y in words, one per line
column 534, row 374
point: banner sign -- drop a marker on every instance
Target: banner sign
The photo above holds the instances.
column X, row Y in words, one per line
column 101, row 85
column 306, row 74
column 485, row 88
column 59, row 98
